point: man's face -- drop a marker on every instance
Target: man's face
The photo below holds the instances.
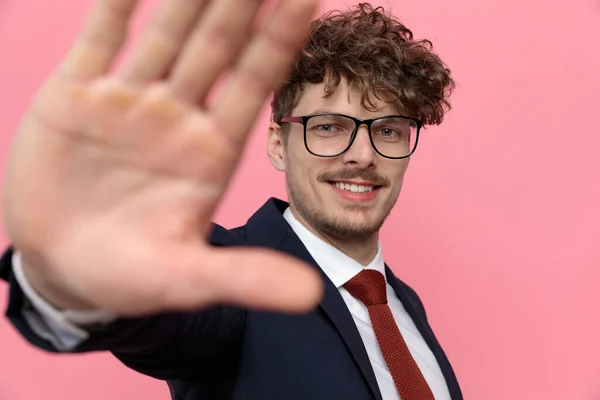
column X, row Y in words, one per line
column 314, row 183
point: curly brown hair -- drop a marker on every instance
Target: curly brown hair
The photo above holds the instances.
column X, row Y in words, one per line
column 378, row 57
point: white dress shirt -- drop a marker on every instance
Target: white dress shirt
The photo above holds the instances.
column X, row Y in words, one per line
column 62, row 330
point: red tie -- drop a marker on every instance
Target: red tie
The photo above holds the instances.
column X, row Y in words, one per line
column 369, row 287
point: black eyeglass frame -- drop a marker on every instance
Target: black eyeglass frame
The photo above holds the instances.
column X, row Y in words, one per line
column 358, row 122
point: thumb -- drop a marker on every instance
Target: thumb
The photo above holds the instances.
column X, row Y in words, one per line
column 251, row 278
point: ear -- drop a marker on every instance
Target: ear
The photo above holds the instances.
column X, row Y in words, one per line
column 276, row 147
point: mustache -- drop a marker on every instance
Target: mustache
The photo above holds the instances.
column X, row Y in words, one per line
column 344, row 174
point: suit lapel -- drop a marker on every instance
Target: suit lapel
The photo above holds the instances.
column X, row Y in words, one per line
column 268, row 228
column 416, row 312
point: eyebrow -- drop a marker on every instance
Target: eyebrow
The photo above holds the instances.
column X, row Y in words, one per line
column 323, row 111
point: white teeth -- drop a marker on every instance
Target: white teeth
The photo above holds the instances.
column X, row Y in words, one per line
column 354, row 188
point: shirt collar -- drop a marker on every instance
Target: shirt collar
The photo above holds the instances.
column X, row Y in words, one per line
column 338, row 267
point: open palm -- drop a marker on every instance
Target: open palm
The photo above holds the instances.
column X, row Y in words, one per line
column 113, row 177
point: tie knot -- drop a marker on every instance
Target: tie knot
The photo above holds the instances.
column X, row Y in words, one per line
column 368, row 286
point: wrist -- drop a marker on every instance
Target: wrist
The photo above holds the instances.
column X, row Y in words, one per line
column 49, row 288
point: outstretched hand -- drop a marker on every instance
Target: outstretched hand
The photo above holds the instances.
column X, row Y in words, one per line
column 113, row 177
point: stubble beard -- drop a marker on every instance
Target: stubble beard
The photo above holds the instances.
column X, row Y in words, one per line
column 334, row 227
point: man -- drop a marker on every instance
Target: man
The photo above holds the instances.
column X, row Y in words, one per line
column 113, row 178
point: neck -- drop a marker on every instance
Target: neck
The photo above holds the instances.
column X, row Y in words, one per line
column 362, row 250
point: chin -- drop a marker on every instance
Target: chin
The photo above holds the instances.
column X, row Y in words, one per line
column 357, row 212
column 351, row 223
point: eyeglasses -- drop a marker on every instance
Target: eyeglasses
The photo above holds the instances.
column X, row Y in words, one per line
column 331, row 135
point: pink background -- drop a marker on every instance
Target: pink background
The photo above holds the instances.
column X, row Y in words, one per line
column 498, row 226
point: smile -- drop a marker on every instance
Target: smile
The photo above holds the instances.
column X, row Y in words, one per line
column 353, row 188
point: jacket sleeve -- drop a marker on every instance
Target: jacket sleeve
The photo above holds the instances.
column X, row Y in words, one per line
column 178, row 345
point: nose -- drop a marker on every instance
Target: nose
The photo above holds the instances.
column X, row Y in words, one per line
column 361, row 154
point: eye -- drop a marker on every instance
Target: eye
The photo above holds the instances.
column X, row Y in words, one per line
column 327, row 128
column 330, row 128
column 388, row 132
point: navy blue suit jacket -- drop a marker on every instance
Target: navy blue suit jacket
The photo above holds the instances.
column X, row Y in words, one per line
column 234, row 353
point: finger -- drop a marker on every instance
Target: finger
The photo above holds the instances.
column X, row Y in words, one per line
column 252, row 278
column 213, row 46
column 262, row 68
column 100, row 41
column 162, row 41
